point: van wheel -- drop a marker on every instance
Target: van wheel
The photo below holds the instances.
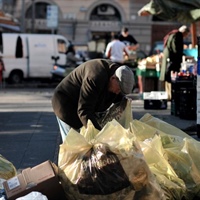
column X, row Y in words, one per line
column 16, row 77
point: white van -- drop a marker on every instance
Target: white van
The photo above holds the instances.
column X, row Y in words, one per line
column 31, row 55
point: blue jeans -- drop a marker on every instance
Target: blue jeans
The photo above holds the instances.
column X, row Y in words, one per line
column 64, row 128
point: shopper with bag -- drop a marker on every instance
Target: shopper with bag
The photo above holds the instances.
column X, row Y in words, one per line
column 172, row 55
column 90, row 88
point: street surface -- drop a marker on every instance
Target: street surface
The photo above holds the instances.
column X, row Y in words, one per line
column 29, row 132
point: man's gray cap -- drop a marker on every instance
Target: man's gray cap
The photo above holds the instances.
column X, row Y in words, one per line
column 126, row 79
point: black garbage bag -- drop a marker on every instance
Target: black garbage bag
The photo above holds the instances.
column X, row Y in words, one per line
column 101, row 172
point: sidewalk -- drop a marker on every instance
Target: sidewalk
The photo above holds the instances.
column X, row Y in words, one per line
column 29, row 133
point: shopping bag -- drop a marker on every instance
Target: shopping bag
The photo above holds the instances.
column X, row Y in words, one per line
column 120, row 111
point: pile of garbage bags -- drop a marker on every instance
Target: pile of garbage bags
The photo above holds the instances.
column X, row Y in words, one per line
column 105, row 165
column 149, row 160
column 127, row 160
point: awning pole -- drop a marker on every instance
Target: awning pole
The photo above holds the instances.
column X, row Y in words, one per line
column 193, row 34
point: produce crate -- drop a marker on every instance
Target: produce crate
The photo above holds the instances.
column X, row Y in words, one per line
column 149, row 79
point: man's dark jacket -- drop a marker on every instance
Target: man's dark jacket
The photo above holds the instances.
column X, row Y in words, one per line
column 84, row 92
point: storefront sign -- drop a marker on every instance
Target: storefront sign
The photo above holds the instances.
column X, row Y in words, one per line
column 109, row 25
column 52, row 16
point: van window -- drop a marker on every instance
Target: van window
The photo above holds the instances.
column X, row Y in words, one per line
column 61, row 46
column 19, row 48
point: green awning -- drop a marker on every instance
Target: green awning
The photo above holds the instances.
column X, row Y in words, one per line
column 184, row 11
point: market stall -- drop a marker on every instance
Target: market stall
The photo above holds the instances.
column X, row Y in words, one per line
column 149, row 71
column 183, row 11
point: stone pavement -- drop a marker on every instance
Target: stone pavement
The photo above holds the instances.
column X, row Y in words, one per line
column 29, row 133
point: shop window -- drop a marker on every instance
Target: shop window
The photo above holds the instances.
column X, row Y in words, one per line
column 105, row 12
column 40, row 11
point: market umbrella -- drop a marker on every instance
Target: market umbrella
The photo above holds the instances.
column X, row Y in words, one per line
column 183, row 11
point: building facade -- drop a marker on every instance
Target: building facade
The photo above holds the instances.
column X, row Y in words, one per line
column 90, row 22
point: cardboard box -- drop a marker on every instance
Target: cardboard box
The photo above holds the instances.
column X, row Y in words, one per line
column 155, row 100
column 42, row 178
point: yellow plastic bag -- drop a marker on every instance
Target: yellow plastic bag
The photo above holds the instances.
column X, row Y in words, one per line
column 124, row 149
column 7, row 169
column 184, row 159
column 163, row 126
column 172, row 156
column 72, row 156
column 160, row 165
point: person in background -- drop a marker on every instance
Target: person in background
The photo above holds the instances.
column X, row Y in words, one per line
column 130, row 42
column 132, row 45
column 116, row 50
column 71, row 59
column 172, row 55
column 90, row 88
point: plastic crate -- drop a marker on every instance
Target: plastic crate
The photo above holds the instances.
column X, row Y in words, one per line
column 187, row 103
column 183, row 102
column 155, row 100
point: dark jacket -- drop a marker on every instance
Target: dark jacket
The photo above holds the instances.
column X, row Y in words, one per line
column 83, row 92
column 174, row 51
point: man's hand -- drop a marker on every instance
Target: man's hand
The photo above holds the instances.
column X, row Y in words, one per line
column 133, row 47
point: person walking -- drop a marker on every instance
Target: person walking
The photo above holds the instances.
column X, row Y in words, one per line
column 116, row 50
column 91, row 87
column 172, row 55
